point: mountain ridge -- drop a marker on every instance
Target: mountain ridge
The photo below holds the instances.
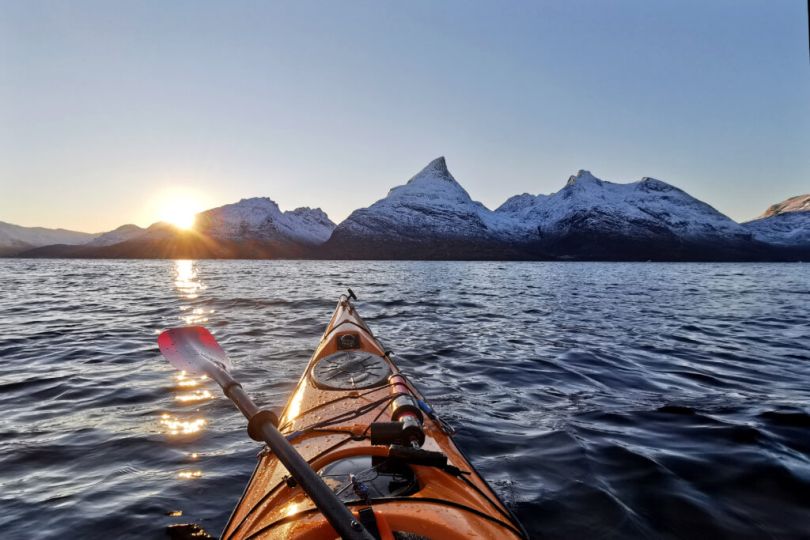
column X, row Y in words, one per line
column 15, row 238
column 799, row 203
column 432, row 216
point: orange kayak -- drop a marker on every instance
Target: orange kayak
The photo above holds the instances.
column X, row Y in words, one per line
column 369, row 433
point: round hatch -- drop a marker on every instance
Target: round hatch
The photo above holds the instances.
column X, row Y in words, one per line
column 349, row 370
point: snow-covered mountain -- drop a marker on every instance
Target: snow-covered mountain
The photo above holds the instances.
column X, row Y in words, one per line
column 645, row 210
column 784, row 224
column 260, row 218
column 430, row 216
column 799, row 203
column 15, row 238
column 433, row 216
column 250, row 228
column 432, row 202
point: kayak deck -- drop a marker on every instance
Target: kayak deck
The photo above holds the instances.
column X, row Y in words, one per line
column 346, row 387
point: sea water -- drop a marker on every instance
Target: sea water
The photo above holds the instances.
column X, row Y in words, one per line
column 600, row 400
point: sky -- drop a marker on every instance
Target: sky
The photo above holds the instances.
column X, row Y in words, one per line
column 109, row 108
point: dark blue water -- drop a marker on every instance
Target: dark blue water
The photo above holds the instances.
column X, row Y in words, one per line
column 600, row 400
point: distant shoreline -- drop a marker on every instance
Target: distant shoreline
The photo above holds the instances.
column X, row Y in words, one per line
column 525, row 260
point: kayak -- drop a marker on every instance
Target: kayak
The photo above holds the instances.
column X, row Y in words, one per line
column 367, row 431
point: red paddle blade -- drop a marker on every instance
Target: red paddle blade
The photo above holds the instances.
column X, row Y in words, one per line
column 193, row 349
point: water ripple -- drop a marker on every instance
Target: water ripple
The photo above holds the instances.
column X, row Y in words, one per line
column 600, row 400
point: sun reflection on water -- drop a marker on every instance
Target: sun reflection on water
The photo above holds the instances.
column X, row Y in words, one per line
column 188, row 285
column 186, row 280
column 176, row 426
column 189, row 390
column 193, row 397
column 197, row 316
column 183, row 380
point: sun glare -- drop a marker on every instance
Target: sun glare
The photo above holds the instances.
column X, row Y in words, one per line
column 179, row 211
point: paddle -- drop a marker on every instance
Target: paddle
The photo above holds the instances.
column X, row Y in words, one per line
column 193, row 349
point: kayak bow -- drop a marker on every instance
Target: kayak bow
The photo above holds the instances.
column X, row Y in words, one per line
column 368, row 432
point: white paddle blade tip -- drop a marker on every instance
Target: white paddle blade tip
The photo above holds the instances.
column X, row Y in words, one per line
column 193, row 349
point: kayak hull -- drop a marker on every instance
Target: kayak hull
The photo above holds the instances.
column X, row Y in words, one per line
column 329, row 423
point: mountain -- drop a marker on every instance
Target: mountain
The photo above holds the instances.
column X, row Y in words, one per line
column 121, row 234
column 649, row 219
column 249, row 229
column 430, row 217
column 261, row 219
column 799, row 203
column 15, row 238
column 785, row 224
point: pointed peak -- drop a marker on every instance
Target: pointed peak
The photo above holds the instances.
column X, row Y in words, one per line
column 434, row 171
column 437, row 167
column 582, row 176
column 434, row 181
column 438, row 163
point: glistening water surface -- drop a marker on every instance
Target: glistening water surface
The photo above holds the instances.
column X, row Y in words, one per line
column 600, row 400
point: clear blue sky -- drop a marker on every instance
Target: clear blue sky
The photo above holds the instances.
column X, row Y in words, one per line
column 104, row 104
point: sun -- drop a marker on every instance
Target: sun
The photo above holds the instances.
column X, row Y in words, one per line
column 178, row 205
column 180, row 211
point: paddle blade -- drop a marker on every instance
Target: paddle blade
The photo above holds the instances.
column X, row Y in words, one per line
column 193, row 349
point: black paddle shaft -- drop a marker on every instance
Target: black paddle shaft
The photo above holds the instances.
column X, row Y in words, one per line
column 194, row 349
column 341, row 519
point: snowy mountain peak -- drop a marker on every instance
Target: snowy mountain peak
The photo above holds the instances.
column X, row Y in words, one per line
column 786, row 223
column 652, row 184
column 431, row 204
column 436, row 167
column 800, row 203
column 432, row 182
column 253, row 205
column 582, row 177
column 261, row 218
column 249, row 212
column 435, row 170
column 310, row 212
column 645, row 209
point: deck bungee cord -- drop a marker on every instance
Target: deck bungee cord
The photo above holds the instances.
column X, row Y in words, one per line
column 357, row 451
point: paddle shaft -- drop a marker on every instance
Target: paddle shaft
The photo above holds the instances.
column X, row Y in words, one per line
column 324, row 498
